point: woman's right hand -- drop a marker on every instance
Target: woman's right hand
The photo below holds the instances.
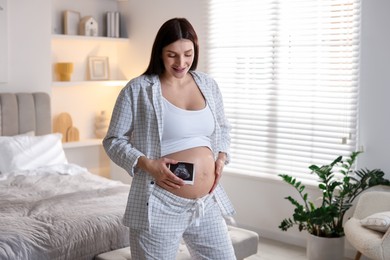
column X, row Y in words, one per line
column 160, row 172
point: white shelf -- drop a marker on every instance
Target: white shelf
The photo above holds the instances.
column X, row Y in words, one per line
column 109, row 83
column 77, row 49
column 82, row 143
column 86, row 38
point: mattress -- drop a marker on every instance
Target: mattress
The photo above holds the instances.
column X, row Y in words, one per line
column 60, row 212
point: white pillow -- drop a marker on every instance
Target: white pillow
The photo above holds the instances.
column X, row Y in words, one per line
column 379, row 221
column 25, row 152
column 29, row 133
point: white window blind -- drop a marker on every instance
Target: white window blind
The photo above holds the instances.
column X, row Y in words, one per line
column 288, row 71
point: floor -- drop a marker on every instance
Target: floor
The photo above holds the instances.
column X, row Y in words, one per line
column 274, row 250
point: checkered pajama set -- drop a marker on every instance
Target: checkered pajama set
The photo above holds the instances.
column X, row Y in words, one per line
column 159, row 220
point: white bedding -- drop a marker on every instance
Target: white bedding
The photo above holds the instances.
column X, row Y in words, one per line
column 60, row 212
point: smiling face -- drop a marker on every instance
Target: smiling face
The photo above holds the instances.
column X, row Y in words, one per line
column 178, row 58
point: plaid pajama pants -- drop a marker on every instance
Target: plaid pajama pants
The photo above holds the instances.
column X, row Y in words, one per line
column 198, row 222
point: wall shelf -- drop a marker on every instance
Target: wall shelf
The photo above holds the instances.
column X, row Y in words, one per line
column 83, row 90
column 77, row 49
column 108, row 83
column 82, row 143
column 86, row 38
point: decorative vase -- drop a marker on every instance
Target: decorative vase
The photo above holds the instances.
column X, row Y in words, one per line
column 324, row 248
column 64, row 70
column 101, row 124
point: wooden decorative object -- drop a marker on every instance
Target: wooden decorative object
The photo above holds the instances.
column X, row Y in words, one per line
column 72, row 134
column 63, row 124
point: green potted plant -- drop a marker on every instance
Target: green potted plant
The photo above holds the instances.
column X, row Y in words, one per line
column 339, row 184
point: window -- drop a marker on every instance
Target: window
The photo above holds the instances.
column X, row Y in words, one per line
column 288, row 71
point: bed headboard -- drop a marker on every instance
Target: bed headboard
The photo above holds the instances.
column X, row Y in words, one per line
column 24, row 112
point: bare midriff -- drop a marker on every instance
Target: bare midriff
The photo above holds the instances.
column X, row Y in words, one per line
column 204, row 166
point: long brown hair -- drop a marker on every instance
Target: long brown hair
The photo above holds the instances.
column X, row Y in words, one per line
column 171, row 31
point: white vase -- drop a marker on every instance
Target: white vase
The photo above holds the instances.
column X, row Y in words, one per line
column 323, row 248
column 101, row 124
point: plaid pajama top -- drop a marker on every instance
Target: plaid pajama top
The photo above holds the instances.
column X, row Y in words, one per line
column 136, row 130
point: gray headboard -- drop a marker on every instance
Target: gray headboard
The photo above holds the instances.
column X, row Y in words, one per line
column 24, row 112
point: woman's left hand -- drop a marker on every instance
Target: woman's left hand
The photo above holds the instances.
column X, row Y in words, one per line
column 219, row 164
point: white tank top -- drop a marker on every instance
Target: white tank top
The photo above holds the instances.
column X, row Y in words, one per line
column 185, row 129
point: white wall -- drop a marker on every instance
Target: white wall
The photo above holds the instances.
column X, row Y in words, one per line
column 28, row 46
column 147, row 16
column 374, row 116
column 260, row 203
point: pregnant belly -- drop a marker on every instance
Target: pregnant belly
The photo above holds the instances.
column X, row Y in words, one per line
column 204, row 166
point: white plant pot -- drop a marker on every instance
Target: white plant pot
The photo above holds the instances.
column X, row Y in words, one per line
column 322, row 248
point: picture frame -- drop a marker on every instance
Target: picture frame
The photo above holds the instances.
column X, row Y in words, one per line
column 98, row 68
column 71, row 22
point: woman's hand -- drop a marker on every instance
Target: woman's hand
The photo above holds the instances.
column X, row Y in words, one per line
column 219, row 164
column 159, row 170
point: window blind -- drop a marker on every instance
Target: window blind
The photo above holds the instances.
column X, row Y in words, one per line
column 288, row 71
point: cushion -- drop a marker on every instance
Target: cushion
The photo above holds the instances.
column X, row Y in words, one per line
column 379, row 221
column 24, row 152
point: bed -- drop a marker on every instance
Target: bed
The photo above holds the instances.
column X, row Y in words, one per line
column 49, row 208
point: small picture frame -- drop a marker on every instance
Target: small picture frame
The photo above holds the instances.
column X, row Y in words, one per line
column 71, row 22
column 98, row 68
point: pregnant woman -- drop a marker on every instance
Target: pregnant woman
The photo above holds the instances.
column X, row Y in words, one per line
column 170, row 114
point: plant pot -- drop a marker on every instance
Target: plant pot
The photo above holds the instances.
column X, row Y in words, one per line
column 323, row 248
